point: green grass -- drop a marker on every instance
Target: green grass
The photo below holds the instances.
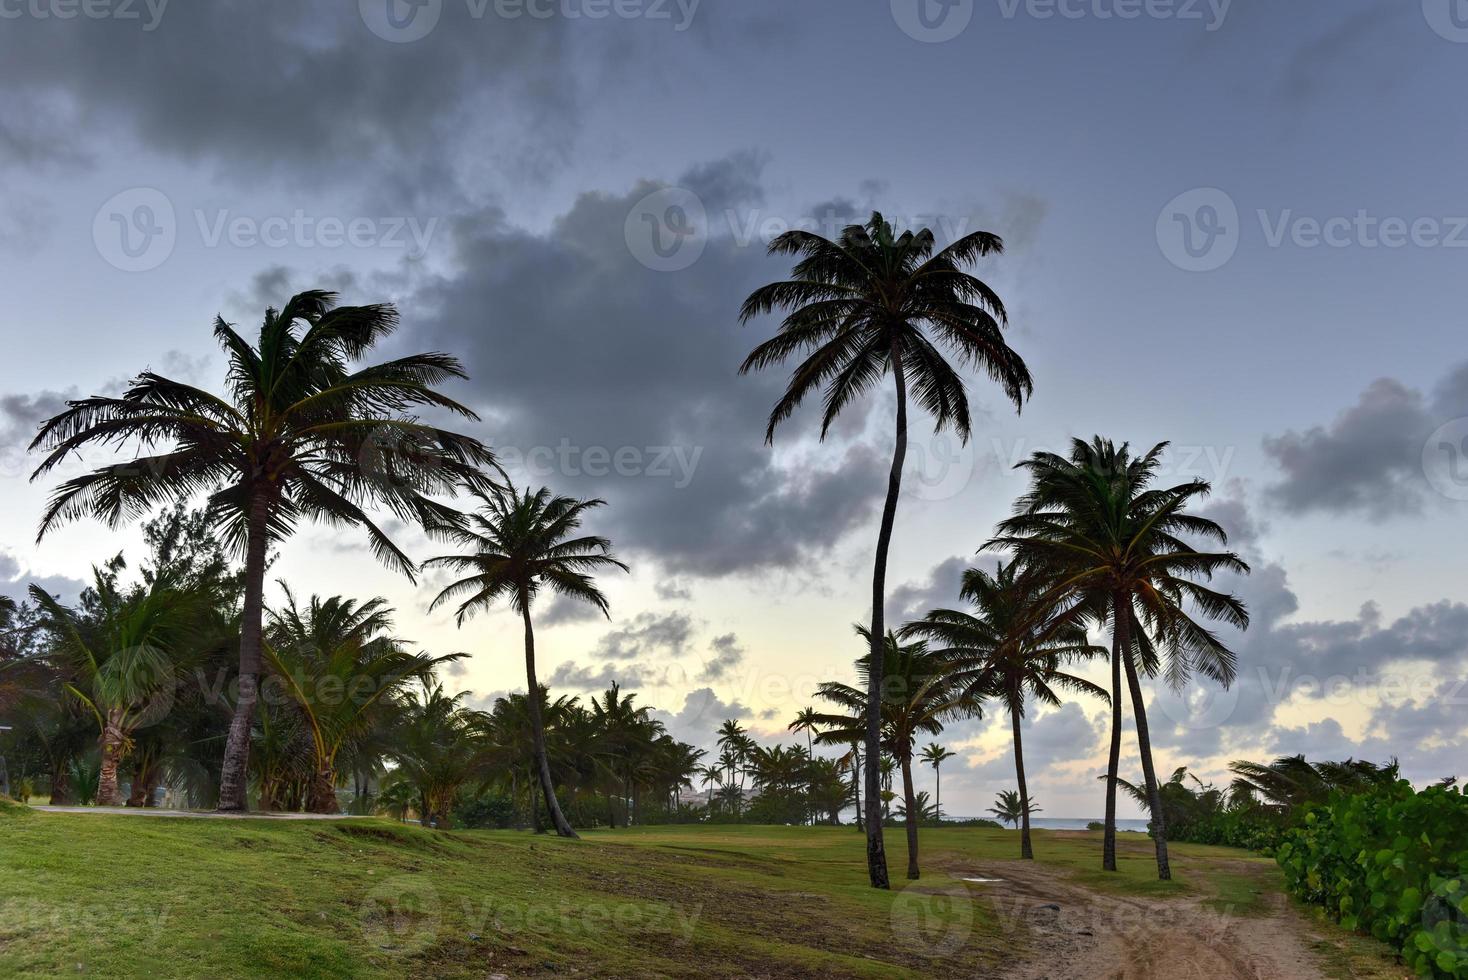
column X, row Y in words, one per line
column 133, row 896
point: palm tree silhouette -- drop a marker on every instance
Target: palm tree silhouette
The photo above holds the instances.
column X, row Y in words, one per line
column 935, row 755
column 519, row 544
column 1096, row 531
column 871, row 302
column 1010, row 647
column 918, row 697
column 301, row 436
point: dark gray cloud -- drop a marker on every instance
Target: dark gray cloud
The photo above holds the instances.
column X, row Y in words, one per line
column 702, row 713
column 223, row 82
column 672, row 590
column 561, row 610
column 913, row 600
column 578, row 677
column 1063, row 735
column 728, row 654
column 664, row 636
column 644, row 363
column 1369, row 460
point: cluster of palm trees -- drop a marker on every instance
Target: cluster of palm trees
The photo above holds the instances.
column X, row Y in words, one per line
column 306, row 431
column 1094, row 542
column 135, row 685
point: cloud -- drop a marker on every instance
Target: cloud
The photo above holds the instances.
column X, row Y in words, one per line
column 702, row 713
column 1369, row 460
column 728, row 654
column 1063, row 735
column 223, row 82
column 16, row 579
column 702, row 494
column 578, row 677
column 913, row 600
column 562, row 610
column 649, row 634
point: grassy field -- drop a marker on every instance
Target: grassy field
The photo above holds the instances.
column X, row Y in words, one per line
column 133, row 896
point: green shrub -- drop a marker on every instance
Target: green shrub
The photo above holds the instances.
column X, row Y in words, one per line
column 1392, row 863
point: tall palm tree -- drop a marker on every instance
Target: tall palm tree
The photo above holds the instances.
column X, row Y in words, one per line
column 439, row 746
column 338, row 664
column 520, row 543
column 1096, row 532
column 1011, row 647
column 870, row 302
column 302, row 434
column 935, row 755
column 919, row 696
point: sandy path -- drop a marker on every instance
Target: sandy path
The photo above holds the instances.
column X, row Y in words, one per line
column 1110, row 937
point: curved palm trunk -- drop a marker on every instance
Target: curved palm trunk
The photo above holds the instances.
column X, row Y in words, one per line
column 234, row 778
column 1154, row 796
column 542, row 761
column 876, row 850
column 1119, row 642
column 856, row 785
column 909, row 800
column 1026, row 852
column 108, row 793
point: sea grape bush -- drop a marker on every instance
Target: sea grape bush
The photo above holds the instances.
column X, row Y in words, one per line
column 1392, row 863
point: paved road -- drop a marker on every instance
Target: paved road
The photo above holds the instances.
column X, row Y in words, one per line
column 189, row 814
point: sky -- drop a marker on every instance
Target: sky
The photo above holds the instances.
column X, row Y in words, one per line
column 1235, row 226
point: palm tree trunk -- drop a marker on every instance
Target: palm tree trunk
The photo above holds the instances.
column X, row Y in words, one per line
column 107, row 789
column 856, row 782
column 1026, row 852
column 1120, row 623
column 876, row 850
column 234, row 778
column 321, row 796
column 1154, row 796
column 910, row 801
column 542, row 760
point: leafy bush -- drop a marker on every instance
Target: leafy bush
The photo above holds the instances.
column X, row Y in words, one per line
column 1096, row 825
column 490, row 811
column 1393, row 863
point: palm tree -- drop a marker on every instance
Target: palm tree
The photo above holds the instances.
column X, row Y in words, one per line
column 935, row 755
column 711, row 775
column 301, row 435
column 520, row 542
column 1011, row 647
column 919, row 696
column 1096, row 533
column 871, row 302
column 120, row 662
column 1009, row 808
column 806, row 720
column 619, row 721
column 440, row 746
column 338, row 664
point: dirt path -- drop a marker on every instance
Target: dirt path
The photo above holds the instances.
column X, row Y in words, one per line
column 1076, row 932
